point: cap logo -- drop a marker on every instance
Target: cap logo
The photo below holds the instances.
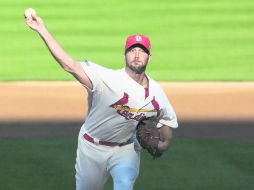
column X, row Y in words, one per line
column 138, row 38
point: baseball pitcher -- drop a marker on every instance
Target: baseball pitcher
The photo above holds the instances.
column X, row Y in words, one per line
column 127, row 111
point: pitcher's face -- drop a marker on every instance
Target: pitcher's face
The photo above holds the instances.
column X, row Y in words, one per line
column 137, row 59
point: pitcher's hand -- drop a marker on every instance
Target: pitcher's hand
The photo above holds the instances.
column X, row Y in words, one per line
column 35, row 23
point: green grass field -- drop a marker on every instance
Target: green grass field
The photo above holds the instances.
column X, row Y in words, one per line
column 191, row 39
column 48, row 163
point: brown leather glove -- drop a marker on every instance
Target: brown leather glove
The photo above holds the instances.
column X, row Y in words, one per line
column 148, row 137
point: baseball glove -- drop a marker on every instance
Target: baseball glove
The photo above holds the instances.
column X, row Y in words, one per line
column 148, row 137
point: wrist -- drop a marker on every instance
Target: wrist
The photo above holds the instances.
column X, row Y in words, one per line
column 42, row 31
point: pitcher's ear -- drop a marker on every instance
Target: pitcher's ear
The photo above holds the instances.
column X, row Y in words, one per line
column 150, row 58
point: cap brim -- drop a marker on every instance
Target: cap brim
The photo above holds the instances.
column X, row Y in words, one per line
column 138, row 45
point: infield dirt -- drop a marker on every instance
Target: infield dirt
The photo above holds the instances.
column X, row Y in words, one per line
column 208, row 108
column 31, row 101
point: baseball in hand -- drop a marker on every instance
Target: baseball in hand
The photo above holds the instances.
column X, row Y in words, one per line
column 28, row 12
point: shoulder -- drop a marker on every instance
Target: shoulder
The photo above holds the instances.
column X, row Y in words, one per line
column 158, row 92
column 98, row 74
column 92, row 65
column 98, row 70
column 155, row 86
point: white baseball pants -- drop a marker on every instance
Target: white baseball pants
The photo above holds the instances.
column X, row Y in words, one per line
column 94, row 163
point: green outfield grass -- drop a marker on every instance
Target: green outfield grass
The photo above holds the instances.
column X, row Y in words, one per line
column 191, row 39
column 48, row 163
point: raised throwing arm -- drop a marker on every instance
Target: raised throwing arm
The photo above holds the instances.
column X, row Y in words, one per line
column 65, row 61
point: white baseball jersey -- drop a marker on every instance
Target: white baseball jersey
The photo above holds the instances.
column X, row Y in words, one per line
column 117, row 103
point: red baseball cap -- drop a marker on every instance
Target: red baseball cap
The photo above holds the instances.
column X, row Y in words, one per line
column 138, row 39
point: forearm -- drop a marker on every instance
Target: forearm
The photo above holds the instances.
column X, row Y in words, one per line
column 166, row 136
column 56, row 50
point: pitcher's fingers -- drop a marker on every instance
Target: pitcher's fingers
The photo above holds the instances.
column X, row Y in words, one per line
column 34, row 17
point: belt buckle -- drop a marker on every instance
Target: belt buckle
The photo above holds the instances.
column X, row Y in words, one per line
column 96, row 141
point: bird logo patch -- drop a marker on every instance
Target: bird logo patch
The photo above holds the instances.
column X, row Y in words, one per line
column 134, row 113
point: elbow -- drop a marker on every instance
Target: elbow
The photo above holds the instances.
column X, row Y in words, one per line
column 70, row 66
